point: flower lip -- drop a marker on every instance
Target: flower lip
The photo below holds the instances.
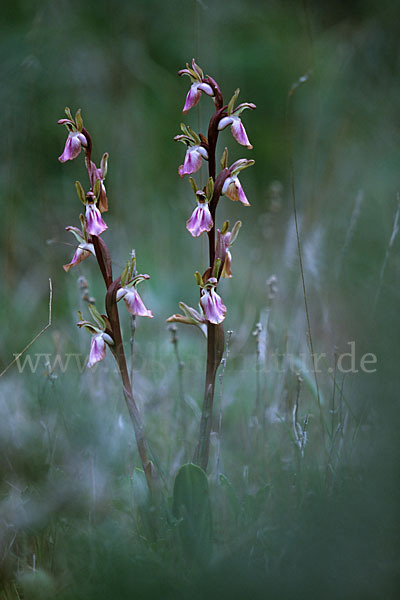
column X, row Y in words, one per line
column 200, row 220
column 94, row 221
column 97, row 349
column 239, row 133
column 212, row 305
column 192, row 162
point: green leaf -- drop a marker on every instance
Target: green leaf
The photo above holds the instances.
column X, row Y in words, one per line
column 230, row 494
column 224, row 159
column 96, row 189
column 192, row 507
column 80, row 191
column 124, row 274
column 78, row 120
column 140, row 490
column 232, row 101
column 185, row 129
column 194, row 185
column 216, row 268
column 199, row 279
column 225, row 227
column 97, row 316
column 235, row 232
column 210, row 188
column 194, row 136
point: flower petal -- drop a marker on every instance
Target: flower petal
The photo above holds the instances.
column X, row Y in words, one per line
column 83, row 251
column 135, row 305
column 73, row 146
column 227, row 268
column 206, row 88
column 233, row 189
column 239, row 133
column 213, row 307
column 192, row 161
column 192, row 98
column 94, row 222
column 97, row 350
column 200, row 221
column 224, row 122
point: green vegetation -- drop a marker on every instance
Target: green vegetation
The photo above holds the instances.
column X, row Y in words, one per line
column 289, row 509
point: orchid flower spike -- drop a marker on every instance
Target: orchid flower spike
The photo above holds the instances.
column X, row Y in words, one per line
column 198, row 85
column 211, row 303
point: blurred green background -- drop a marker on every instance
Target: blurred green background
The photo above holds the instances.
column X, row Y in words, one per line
column 118, row 62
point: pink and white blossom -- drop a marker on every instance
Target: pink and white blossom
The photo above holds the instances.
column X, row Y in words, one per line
column 233, row 189
column 133, row 302
column 237, row 129
column 212, row 305
column 97, row 349
column 83, row 251
column 193, row 159
column 73, row 145
column 94, row 222
column 200, row 221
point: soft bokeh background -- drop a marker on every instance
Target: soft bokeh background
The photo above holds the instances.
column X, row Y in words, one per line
column 66, row 442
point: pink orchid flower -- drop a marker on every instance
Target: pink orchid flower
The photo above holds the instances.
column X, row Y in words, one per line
column 133, row 302
column 200, row 221
column 97, row 349
column 73, row 145
column 193, row 160
column 233, row 189
column 94, row 222
column 212, row 305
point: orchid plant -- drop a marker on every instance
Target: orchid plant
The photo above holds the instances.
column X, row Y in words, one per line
column 199, row 149
column 105, row 328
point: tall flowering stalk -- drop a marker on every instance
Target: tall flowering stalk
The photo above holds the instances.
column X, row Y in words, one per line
column 199, row 148
column 105, row 328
